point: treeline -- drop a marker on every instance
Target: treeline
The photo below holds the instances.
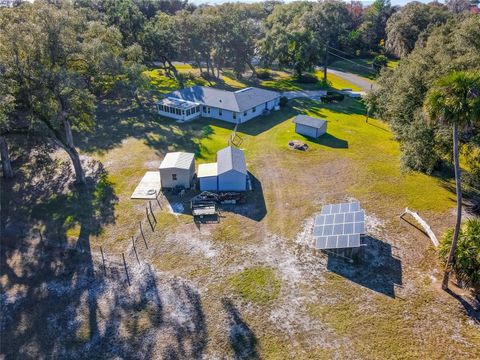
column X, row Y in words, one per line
column 57, row 58
column 400, row 95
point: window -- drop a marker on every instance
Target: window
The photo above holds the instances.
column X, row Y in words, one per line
column 174, row 177
column 183, row 112
column 188, row 112
column 234, row 115
column 178, row 111
column 172, row 110
column 220, row 112
column 245, row 113
column 254, row 109
column 197, row 109
column 204, row 109
column 160, row 107
column 266, row 105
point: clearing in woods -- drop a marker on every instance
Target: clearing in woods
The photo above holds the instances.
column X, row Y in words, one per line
column 248, row 287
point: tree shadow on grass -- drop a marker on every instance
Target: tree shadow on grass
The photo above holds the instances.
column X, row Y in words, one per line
column 376, row 268
column 348, row 106
column 471, row 309
column 119, row 119
column 471, row 197
column 55, row 300
column 242, row 339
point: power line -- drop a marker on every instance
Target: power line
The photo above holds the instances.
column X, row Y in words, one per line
column 351, row 61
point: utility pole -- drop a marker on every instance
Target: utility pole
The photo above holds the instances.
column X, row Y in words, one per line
column 325, row 61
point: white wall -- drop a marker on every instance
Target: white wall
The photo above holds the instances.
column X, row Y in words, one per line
column 184, row 177
column 232, row 181
column 310, row 131
column 212, row 112
column 176, row 116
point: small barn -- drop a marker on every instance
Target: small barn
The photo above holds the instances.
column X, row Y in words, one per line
column 231, row 169
column 177, row 169
column 229, row 173
column 310, row 126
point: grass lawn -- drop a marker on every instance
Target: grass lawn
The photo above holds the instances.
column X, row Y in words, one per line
column 249, row 286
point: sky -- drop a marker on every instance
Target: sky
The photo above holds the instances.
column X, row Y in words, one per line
column 366, row 2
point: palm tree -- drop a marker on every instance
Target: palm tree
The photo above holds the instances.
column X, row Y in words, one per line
column 454, row 100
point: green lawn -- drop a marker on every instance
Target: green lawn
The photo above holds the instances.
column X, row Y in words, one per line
column 253, row 272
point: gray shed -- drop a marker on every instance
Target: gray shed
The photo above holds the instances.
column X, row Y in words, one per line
column 310, row 126
column 177, row 169
column 231, row 170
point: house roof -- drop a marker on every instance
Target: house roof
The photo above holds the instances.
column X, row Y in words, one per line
column 231, row 158
column 207, row 170
column 237, row 101
column 177, row 103
column 177, row 160
column 309, row 121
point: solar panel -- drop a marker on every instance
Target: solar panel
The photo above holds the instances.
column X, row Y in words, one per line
column 339, row 226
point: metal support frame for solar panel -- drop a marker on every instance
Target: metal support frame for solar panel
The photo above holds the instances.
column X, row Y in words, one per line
column 339, row 226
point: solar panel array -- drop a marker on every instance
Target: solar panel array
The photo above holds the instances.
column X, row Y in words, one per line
column 339, row 226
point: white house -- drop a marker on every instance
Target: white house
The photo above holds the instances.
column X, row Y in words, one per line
column 229, row 173
column 235, row 107
column 310, row 126
column 177, row 169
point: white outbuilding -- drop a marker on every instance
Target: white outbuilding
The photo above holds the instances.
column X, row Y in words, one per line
column 207, row 177
column 177, row 169
column 229, row 173
column 310, row 126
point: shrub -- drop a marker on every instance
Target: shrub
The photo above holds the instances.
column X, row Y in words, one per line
column 331, row 97
column 307, row 79
column 379, row 62
column 466, row 260
column 283, row 101
column 263, row 74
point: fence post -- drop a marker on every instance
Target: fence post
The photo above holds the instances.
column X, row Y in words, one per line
column 143, row 235
column 151, row 211
column 126, row 270
column 103, row 261
column 135, row 249
column 148, row 218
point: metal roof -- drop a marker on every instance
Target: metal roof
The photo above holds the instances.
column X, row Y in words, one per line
column 237, row 101
column 207, row 170
column 177, row 160
column 309, row 121
column 231, row 158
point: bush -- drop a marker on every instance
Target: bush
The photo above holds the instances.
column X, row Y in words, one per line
column 331, row 97
column 307, row 79
column 379, row 62
column 283, row 101
column 466, row 260
column 264, row 74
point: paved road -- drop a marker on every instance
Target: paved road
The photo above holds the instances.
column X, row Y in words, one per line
column 365, row 85
column 303, row 93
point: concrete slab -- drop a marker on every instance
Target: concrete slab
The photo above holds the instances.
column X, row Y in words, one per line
column 149, row 187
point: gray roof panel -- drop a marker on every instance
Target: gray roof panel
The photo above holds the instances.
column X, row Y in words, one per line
column 237, row 101
column 231, row 158
column 309, row 121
